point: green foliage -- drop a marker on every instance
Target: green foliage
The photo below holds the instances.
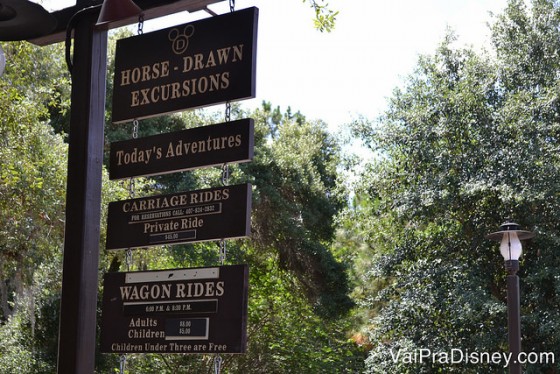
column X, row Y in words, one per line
column 32, row 173
column 469, row 142
column 325, row 18
column 286, row 336
column 15, row 354
column 295, row 201
column 32, row 190
column 33, row 167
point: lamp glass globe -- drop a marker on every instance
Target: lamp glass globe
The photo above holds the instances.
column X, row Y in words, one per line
column 510, row 247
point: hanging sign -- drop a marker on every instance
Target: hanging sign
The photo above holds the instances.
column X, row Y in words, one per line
column 197, row 310
column 200, row 63
column 194, row 216
column 183, row 150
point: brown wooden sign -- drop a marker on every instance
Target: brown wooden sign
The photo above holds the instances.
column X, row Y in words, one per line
column 183, row 150
column 200, row 63
column 197, row 310
column 193, row 216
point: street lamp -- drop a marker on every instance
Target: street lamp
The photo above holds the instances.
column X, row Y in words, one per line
column 510, row 236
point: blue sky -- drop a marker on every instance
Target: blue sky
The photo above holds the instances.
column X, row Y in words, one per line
column 351, row 71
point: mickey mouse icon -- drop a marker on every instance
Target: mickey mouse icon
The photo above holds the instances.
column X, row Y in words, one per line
column 180, row 41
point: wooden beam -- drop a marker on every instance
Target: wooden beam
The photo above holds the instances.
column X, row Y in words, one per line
column 152, row 9
column 78, row 307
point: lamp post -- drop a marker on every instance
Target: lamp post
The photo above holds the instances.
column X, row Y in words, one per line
column 510, row 236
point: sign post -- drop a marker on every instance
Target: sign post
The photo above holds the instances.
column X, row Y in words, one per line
column 76, row 346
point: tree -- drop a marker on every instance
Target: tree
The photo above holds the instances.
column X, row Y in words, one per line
column 32, row 174
column 471, row 140
column 33, row 166
column 296, row 201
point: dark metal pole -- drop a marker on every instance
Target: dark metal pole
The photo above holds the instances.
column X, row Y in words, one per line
column 514, row 320
column 77, row 330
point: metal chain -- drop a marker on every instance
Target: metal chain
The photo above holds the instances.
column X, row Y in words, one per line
column 225, row 167
column 228, row 111
column 122, row 364
column 217, row 364
column 141, row 24
column 131, row 188
column 225, row 174
column 232, row 6
column 128, row 259
column 132, row 183
column 223, row 252
column 135, row 126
